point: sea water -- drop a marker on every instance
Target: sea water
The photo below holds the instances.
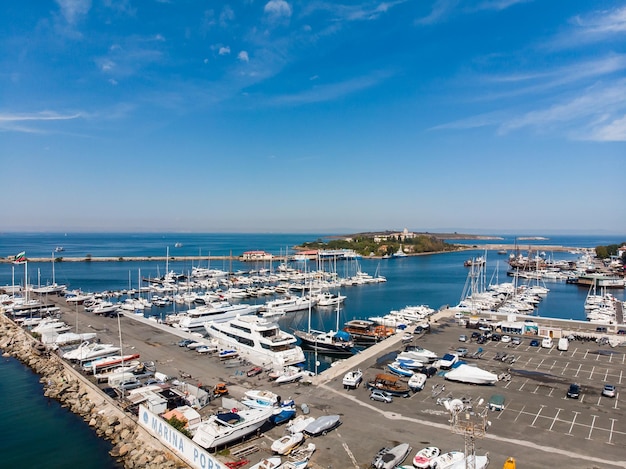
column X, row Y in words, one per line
column 435, row 280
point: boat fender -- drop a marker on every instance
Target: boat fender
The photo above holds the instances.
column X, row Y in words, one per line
column 234, row 410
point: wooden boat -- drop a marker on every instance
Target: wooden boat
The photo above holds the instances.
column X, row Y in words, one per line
column 367, row 331
column 389, row 383
column 424, row 456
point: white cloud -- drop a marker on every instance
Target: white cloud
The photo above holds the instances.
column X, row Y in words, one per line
column 226, row 16
column 604, row 22
column 243, row 56
column 12, row 122
column 74, row 10
column 277, row 9
column 224, row 50
column 614, row 131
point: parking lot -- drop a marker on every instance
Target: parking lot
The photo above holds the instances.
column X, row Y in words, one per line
column 535, row 383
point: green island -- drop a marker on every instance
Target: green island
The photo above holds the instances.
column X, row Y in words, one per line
column 387, row 243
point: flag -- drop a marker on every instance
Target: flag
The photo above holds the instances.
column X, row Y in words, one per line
column 20, row 258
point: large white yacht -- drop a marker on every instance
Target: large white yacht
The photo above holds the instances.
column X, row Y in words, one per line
column 218, row 311
column 224, row 428
column 259, row 337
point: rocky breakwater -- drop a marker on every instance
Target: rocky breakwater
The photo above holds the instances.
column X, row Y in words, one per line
column 132, row 446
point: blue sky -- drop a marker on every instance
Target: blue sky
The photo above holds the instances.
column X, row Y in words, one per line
column 284, row 116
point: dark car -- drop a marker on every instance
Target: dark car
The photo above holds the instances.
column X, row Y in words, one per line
column 574, row 391
column 475, row 335
column 534, row 343
column 496, row 337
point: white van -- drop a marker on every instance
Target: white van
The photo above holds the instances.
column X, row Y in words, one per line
column 547, row 342
column 563, row 344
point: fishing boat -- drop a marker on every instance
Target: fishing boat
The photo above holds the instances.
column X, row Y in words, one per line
column 227, row 354
column 424, row 457
column 336, row 343
column 223, row 428
column 261, row 399
column 367, row 331
column 352, row 379
column 417, row 381
column 389, row 383
column 262, row 340
column 389, row 458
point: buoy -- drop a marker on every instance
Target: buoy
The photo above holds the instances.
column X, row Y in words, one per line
column 234, row 410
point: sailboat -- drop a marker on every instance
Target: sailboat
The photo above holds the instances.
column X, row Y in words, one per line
column 54, row 288
column 332, row 342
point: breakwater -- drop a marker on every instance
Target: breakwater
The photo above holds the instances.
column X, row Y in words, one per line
column 132, row 445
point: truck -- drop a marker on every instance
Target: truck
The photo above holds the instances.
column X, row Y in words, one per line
column 563, row 344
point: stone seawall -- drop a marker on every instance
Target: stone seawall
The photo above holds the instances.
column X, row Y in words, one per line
column 132, row 445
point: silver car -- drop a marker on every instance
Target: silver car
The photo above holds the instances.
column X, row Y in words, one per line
column 381, row 396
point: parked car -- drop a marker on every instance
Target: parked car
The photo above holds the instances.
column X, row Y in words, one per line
column 534, row 343
column 608, row 390
column 505, row 339
column 462, row 338
column 185, row 342
column 496, row 337
column 516, row 341
column 381, row 396
column 461, row 352
column 130, row 384
column 574, row 391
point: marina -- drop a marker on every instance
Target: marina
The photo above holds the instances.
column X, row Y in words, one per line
column 546, row 370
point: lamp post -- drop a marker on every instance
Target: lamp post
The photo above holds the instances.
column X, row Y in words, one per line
column 471, row 425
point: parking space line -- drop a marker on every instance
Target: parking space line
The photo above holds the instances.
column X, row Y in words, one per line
column 610, row 442
column 606, row 374
column 519, row 413
column 597, row 357
column 540, row 363
column 599, row 399
column 507, row 384
column 574, row 351
column 551, row 391
column 585, row 356
column 623, row 358
column 537, row 416
column 554, row 419
column 620, row 373
column 591, row 429
column 523, row 384
column 530, row 359
column 578, row 370
column 535, row 391
column 572, row 426
column 592, row 370
column 616, row 399
column 565, row 368
column 610, row 358
column 553, row 365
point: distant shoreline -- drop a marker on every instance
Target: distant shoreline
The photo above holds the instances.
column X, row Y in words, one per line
column 487, row 247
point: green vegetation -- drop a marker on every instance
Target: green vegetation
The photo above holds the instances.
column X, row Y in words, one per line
column 605, row 252
column 180, row 426
column 384, row 244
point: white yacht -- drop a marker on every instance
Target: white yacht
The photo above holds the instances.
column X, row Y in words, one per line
column 221, row 429
column 218, row 311
column 262, row 339
column 89, row 351
column 289, row 304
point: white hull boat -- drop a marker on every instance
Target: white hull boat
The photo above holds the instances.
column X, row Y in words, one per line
column 471, row 375
column 389, row 458
column 89, row 351
column 352, row 379
column 424, row 457
column 263, row 340
column 267, row 463
column 287, row 443
column 221, row 429
column 417, row 382
column 448, row 460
